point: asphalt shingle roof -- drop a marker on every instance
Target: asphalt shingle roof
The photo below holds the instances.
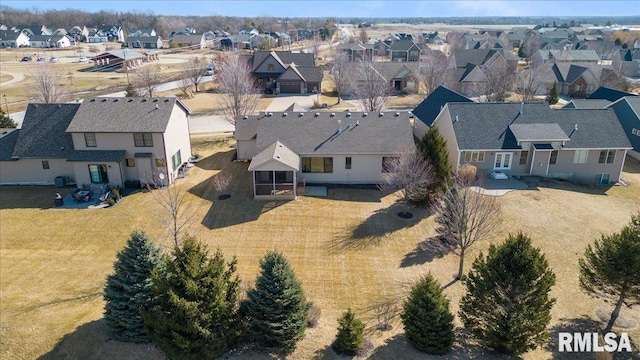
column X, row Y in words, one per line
column 587, row 104
column 485, row 126
column 430, row 107
column 8, row 143
column 277, row 152
column 287, row 57
column 538, row 132
column 43, row 132
column 310, row 134
column 97, row 155
column 608, row 94
column 124, row 115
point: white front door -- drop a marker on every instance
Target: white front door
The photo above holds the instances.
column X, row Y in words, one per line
column 503, row 161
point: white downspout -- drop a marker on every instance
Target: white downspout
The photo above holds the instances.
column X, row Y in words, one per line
column 548, row 161
column 253, row 175
column 533, row 161
column 624, row 157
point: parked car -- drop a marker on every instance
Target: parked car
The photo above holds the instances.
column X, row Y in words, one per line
column 209, row 72
column 26, row 58
column 41, row 59
column 83, row 59
column 54, row 59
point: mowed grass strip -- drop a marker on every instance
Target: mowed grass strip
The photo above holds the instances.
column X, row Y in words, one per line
column 349, row 250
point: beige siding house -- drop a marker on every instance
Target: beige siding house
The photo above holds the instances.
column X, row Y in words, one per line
column 319, row 148
column 101, row 142
column 583, row 145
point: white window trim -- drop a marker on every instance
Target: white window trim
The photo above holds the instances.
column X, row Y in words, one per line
column 471, row 156
column 502, row 154
column 580, row 160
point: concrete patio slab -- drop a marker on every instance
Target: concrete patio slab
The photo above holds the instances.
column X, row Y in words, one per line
column 495, row 187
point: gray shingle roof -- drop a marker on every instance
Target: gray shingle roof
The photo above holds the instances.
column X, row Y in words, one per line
column 402, row 45
column 587, row 104
column 8, row 143
column 485, row 126
column 538, row 132
column 287, row 57
column 310, row 73
column 608, row 94
column 277, row 152
column 97, row 155
column 430, row 107
column 316, row 135
column 124, row 115
column 395, row 70
column 43, row 132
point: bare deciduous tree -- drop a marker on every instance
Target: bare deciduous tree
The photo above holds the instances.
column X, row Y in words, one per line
column 49, row 87
column 529, row 82
column 185, row 87
column 363, row 36
column 178, row 211
column 194, row 70
column 370, row 89
column 410, row 173
column 613, row 80
column 148, row 79
column 237, row 85
column 499, row 79
column 341, row 74
column 432, row 71
column 531, row 45
column 465, row 216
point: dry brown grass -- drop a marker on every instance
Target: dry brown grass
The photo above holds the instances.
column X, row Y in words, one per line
column 349, row 250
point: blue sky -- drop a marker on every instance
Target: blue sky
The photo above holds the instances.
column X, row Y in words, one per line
column 335, row 8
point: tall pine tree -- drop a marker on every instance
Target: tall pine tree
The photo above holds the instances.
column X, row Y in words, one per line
column 611, row 268
column 553, row 96
column 277, row 308
column 434, row 149
column 507, row 306
column 428, row 322
column 6, row 121
column 195, row 311
column 128, row 289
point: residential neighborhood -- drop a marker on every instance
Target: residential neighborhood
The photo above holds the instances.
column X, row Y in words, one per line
column 196, row 181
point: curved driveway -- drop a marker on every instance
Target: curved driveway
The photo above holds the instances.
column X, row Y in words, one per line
column 17, row 77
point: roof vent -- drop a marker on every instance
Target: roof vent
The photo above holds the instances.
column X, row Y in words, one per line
column 357, row 122
column 300, row 114
column 245, row 117
column 130, row 100
column 284, row 114
column 521, row 107
column 364, row 114
column 144, row 100
column 397, row 114
column 332, row 114
column 575, row 127
column 115, row 100
column 456, row 118
column 156, row 106
column 155, row 100
column 348, row 114
column 339, row 126
column 92, row 100
column 269, row 114
column 381, row 114
column 166, row 100
column 103, row 100
column 316, row 114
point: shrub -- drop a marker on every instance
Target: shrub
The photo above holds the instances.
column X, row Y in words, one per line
column 314, row 316
column 350, row 334
column 467, row 174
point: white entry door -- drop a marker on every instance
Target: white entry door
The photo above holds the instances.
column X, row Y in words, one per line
column 503, row 161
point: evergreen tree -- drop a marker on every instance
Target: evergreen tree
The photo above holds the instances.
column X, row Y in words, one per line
column 434, row 149
column 277, row 308
column 553, row 96
column 507, row 306
column 428, row 322
column 128, row 289
column 130, row 91
column 6, row 121
column 195, row 310
column 611, row 269
column 350, row 334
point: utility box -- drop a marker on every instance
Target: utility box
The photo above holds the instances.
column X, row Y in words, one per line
column 61, row 181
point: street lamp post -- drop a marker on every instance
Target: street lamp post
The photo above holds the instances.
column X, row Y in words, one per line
column 7, row 105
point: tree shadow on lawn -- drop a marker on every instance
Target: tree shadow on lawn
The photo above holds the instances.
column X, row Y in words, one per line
column 217, row 161
column 463, row 348
column 377, row 227
column 93, row 341
column 426, row 251
column 583, row 324
column 534, row 183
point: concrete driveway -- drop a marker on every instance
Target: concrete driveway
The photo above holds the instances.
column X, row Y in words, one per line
column 283, row 101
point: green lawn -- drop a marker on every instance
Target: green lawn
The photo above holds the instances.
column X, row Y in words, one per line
column 349, row 250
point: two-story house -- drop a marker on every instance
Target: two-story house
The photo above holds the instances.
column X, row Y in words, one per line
column 404, row 50
column 101, row 141
column 13, row 39
column 286, row 72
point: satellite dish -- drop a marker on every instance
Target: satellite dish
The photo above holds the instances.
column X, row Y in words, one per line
column 161, row 176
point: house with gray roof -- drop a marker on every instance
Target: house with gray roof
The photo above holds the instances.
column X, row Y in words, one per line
column 102, row 141
column 427, row 111
column 404, row 50
column 609, row 94
column 291, row 148
column 627, row 62
column 627, row 110
column 144, row 42
column 356, row 50
column 13, row 39
column 192, row 41
column 582, row 145
column 286, row 72
column 49, row 41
